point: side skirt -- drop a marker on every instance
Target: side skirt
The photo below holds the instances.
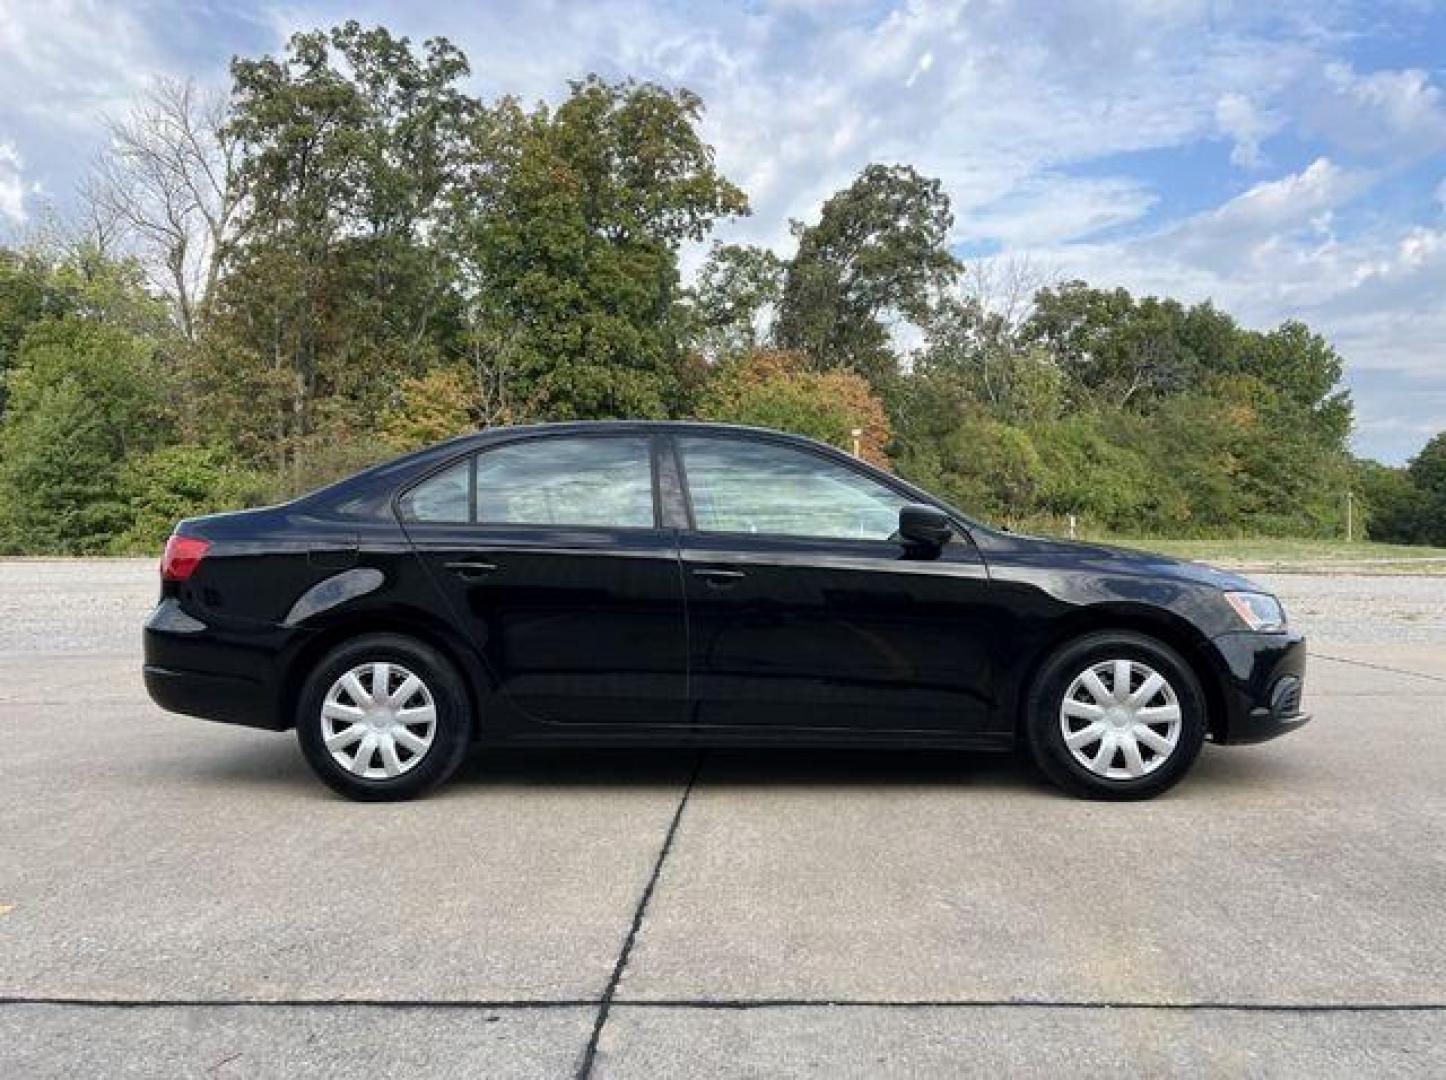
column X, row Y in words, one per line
column 990, row 742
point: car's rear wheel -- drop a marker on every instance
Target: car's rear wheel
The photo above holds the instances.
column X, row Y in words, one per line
column 1115, row 715
column 383, row 717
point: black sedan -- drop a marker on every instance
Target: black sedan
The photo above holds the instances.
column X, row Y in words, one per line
column 697, row 584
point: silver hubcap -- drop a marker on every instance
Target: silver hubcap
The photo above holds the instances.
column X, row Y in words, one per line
column 1120, row 719
column 378, row 720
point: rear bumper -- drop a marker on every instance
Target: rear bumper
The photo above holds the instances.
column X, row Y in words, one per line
column 227, row 698
column 1262, row 685
column 227, row 674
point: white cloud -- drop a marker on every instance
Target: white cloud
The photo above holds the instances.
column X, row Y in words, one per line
column 1399, row 114
column 13, row 188
column 920, row 69
column 68, row 61
column 1050, row 208
column 1272, row 223
column 1405, row 99
column 1290, row 200
column 967, row 95
column 1239, row 119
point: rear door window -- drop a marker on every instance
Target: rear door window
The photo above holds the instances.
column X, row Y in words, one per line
column 605, row 482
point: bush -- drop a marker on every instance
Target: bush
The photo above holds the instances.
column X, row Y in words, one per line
column 431, row 407
column 177, row 482
column 776, row 389
column 84, row 396
column 1087, row 474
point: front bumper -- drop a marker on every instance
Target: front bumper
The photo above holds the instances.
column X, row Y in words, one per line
column 1262, row 680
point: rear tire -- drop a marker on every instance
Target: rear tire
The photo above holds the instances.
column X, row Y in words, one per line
column 1115, row 715
column 383, row 717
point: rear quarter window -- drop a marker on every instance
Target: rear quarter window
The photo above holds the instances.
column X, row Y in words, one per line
column 446, row 497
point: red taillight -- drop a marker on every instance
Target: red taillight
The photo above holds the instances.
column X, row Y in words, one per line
column 182, row 555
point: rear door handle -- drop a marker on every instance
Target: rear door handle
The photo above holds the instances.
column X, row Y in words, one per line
column 470, row 568
column 717, row 575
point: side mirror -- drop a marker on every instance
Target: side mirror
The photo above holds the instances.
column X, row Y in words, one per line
column 924, row 526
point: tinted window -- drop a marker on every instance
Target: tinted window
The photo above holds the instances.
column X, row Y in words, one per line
column 567, row 481
column 758, row 487
column 443, row 497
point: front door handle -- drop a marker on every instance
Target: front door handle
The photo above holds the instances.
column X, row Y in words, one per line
column 471, row 569
column 718, row 575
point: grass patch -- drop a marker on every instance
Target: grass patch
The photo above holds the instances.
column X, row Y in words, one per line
column 1298, row 555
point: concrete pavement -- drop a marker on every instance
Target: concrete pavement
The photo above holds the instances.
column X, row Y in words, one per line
column 180, row 898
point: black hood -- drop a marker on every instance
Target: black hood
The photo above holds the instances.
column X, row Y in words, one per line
column 1046, row 551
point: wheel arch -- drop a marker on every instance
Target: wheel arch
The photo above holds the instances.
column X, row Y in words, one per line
column 1165, row 626
column 401, row 621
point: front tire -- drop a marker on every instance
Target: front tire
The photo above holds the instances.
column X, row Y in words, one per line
column 383, row 717
column 1115, row 715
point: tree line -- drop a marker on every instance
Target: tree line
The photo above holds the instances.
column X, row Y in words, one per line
column 350, row 255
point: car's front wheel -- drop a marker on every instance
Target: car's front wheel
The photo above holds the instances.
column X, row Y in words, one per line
column 383, row 717
column 1115, row 715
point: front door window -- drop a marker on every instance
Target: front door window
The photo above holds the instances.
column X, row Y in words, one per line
column 768, row 489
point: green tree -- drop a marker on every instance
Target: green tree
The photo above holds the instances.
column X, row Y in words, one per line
column 575, row 233
column 736, row 288
column 1123, row 351
column 878, row 254
column 1428, row 468
column 1087, row 471
column 1393, row 508
column 1427, row 471
column 35, row 287
column 26, row 296
column 981, row 352
column 352, row 152
column 991, row 468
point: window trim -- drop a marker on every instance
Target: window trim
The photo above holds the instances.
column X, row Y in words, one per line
column 837, row 458
column 680, row 476
column 674, row 507
column 472, row 453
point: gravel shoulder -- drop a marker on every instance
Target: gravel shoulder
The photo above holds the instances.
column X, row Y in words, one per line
column 1363, row 609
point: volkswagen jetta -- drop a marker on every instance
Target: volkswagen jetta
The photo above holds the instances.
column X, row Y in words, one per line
column 698, row 584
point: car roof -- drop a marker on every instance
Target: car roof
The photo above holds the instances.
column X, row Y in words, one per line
column 490, row 435
column 556, row 427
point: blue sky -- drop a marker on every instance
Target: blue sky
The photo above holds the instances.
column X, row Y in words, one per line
column 1287, row 160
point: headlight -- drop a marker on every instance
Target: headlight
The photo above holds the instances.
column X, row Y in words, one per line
column 1259, row 611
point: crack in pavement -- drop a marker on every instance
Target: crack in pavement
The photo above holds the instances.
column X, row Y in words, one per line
column 1376, row 667
column 1034, row 1003
column 481, row 1004
column 605, row 1005
column 523, row 1005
